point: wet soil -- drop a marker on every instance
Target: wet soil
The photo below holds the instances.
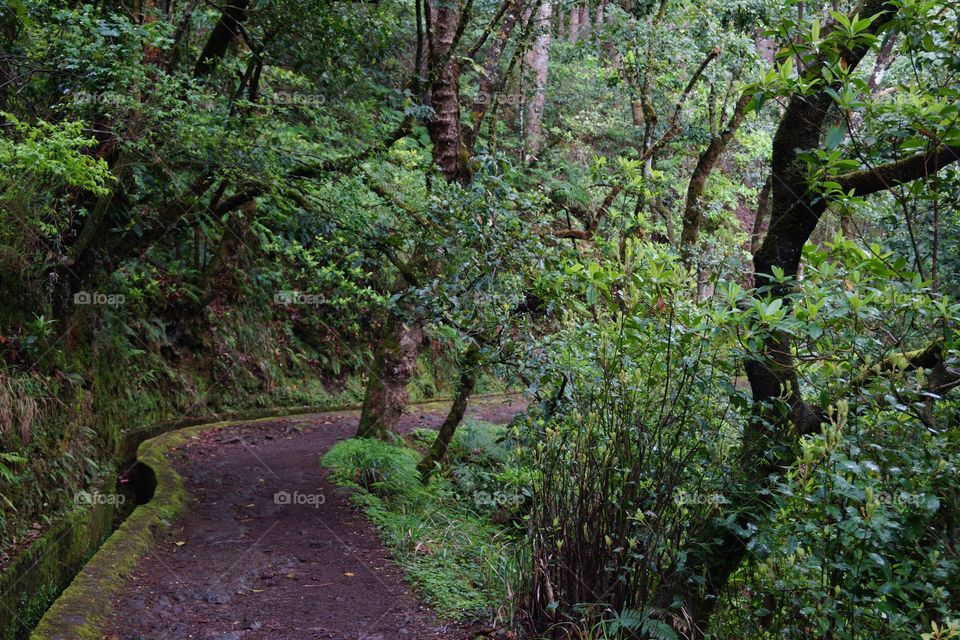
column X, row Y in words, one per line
column 270, row 549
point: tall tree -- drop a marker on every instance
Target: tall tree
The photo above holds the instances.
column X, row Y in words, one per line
column 538, row 62
column 781, row 414
column 398, row 342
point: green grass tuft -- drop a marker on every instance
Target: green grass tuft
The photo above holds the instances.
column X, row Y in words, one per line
column 459, row 562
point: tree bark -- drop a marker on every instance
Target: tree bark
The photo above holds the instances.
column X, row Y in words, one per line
column 636, row 112
column 538, row 62
column 584, row 20
column 224, row 33
column 469, row 371
column 598, row 18
column 394, row 363
column 574, row 31
column 444, row 126
column 693, row 209
column 763, row 212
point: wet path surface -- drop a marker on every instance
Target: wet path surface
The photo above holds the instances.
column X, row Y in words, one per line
column 270, row 549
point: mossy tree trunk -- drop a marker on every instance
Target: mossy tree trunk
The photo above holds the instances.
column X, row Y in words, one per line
column 394, row 363
column 469, row 371
column 707, row 161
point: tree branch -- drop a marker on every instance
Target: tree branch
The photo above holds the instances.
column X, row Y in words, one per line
column 674, row 127
column 887, row 175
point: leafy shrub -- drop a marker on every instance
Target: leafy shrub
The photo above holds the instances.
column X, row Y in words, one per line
column 859, row 545
column 631, row 453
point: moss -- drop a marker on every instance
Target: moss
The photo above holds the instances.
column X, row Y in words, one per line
column 82, row 609
column 38, row 575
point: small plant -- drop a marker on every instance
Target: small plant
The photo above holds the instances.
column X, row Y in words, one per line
column 948, row 631
column 6, row 474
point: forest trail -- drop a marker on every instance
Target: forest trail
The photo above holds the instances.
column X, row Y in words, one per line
column 239, row 565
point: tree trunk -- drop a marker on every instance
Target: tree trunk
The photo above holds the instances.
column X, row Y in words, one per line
column 693, row 209
column 574, row 31
column 585, row 19
column 469, row 371
column 598, row 18
column 221, row 37
column 636, row 112
column 395, row 355
column 763, row 212
column 394, row 363
column 444, row 126
column 538, row 62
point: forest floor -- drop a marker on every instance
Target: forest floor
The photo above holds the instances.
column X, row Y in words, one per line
column 241, row 565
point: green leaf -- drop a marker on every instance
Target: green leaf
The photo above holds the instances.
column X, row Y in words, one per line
column 835, row 135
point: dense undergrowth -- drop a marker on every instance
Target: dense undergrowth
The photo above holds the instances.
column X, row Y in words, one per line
column 593, row 515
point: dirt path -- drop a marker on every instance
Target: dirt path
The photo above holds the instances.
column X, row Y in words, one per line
column 239, row 566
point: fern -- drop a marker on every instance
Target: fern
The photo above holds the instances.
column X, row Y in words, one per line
column 7, row 474
column 9, row 458
column 641, row 623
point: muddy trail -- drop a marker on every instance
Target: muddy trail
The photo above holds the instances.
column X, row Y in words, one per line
column 270, row 549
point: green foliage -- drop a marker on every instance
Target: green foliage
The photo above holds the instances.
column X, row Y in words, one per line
column 7, row 458
column 7, row 475
column 856, row 545
column 631, row 448
column 53, row 151
column 459, row 561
